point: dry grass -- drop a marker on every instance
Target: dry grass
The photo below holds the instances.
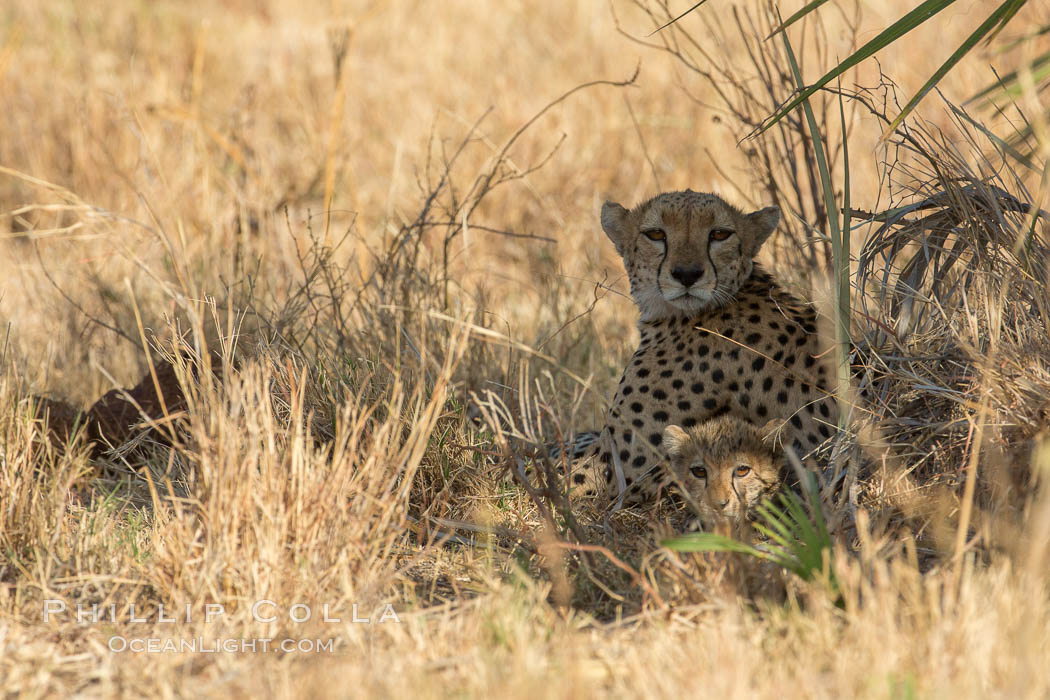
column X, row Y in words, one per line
column 350, row 214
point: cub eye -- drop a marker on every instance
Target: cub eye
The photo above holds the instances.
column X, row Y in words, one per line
column 654, row 234
column 698, row 472
column 720, row 234
column 743, row 470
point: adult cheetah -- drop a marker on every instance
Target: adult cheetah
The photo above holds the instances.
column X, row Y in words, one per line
column 718, row 335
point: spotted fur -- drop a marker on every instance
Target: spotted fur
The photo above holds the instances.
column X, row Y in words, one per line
column 718, row 336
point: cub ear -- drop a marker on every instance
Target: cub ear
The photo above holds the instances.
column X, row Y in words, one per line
column 613, row 218
column 674, row 438
column 762, row 223
column 770, row 431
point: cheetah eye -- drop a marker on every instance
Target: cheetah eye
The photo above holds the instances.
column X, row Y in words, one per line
column 698, row 472
column 743, row 470
column 720, row 234
column 654, row 234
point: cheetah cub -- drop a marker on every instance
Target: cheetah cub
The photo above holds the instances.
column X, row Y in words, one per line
column 724, row 467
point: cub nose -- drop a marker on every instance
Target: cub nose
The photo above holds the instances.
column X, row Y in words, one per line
column 723, row 503
column 686, row 275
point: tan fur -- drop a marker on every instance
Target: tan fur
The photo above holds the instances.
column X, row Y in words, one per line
column 724, row 467
column 731, row 341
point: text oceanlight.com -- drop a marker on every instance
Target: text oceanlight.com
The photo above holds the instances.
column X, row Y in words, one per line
column 199, row 645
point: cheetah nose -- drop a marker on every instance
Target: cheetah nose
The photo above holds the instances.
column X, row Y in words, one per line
column 686, row 275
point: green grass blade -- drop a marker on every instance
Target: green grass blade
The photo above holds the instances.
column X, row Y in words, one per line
column 842, row 274
column 1009, row 84
column 776, row 519
column 796, row 17
column 1004, row 13
column 905, row 24
column 1013, row 10
column 839, row 234
column 665, row 26
column 802, row 525
column 829, row 202
column 711, row 542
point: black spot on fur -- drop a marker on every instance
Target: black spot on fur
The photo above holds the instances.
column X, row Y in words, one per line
column 661, row 416
column 697, row 388
column 717, row 376
column 636, row 407
column 659, row 394
column 767, row 384
column 710, row 404
column 655, row 439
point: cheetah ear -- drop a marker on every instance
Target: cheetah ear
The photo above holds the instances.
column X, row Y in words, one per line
column 762, row 223
column 674, row 438
column 770, row 430
column 613, row 217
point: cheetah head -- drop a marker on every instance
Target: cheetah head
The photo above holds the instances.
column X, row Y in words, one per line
column 725, row 467
column 686, row 252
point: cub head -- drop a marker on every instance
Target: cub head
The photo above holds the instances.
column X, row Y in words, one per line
column 725, row 467
column 686, row 252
